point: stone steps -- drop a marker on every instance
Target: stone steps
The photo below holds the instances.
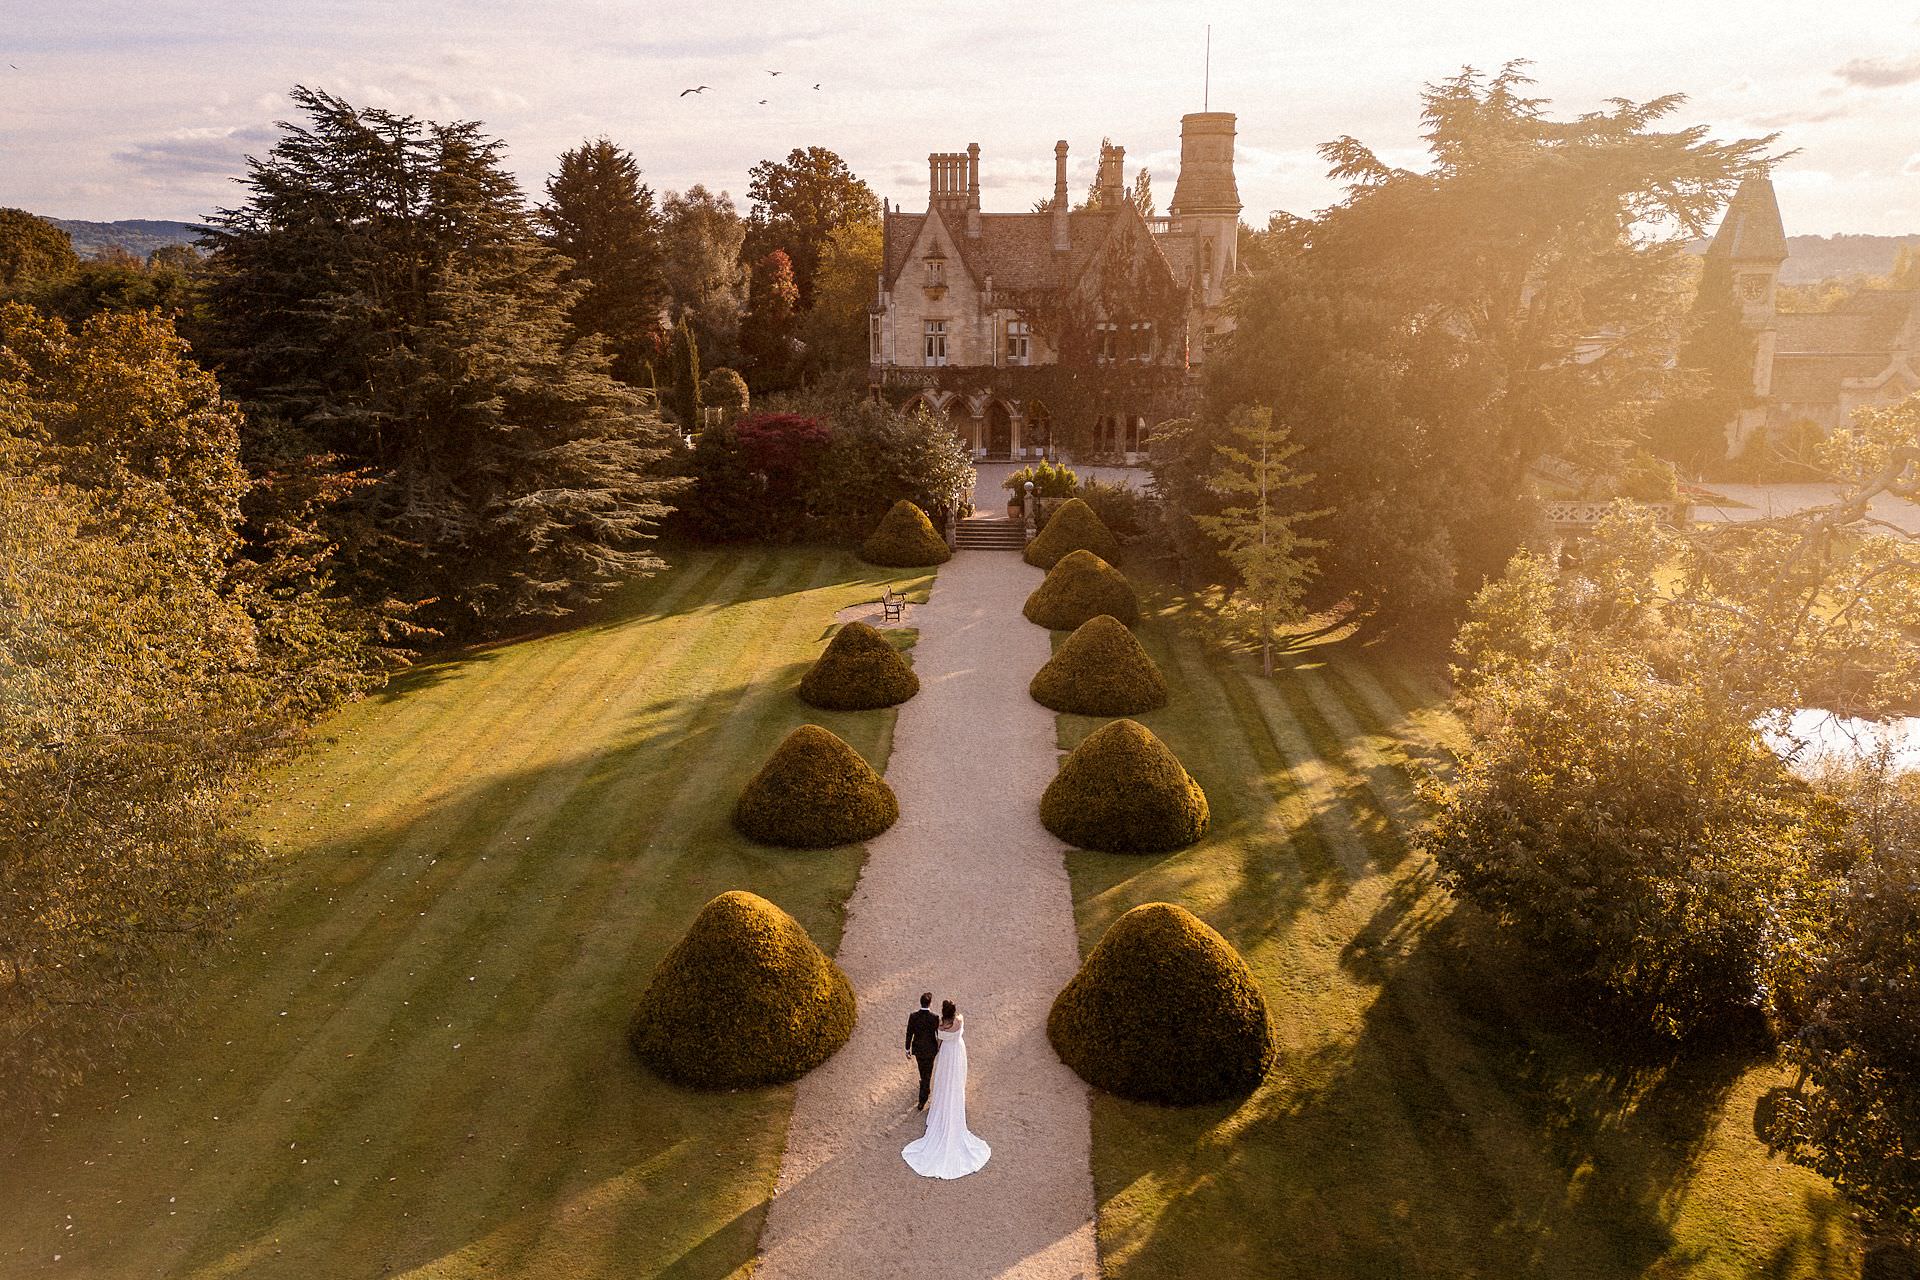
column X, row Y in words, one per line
column 984, row 534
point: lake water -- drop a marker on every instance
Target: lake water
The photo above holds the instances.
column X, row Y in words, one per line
column 1813, row 736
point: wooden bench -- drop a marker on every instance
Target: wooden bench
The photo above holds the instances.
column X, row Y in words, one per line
column 893, row 607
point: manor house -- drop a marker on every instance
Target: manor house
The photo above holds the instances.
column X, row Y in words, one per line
column 965, row 299
column 1812, row 368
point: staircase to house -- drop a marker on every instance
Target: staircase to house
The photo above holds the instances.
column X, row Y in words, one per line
column 990, row 533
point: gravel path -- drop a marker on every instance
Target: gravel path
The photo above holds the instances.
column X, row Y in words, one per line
column 967, row 897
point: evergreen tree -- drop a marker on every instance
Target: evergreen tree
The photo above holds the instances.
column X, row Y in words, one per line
column 1257, row 534
column 602, row 218
column 382, row 305
column 683, row 366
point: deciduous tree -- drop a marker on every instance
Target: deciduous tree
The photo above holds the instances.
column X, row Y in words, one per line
column 798, row 203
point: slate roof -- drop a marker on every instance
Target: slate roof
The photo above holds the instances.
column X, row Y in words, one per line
column 1827, row 333
column 1870, row 320
column 1016, row 249
column 1751, row 230
column 1816, row 379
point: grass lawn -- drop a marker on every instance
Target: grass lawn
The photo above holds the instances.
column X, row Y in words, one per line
column 1436, row 1112
column 413, row 1061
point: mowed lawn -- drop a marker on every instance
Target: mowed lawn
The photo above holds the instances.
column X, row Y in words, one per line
column 413, row 1061
column 1436, row 1112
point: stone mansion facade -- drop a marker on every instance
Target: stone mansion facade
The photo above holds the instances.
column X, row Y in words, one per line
column 956, row 310
column 1809, row 368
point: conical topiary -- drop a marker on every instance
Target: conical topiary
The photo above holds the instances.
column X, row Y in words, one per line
column 815, row 791
column 745, row 998
column 858, row 672
column 1100, row 670
column 1080, row 587
column 1073, row 527
column 905, row 539
column 1123, row 791
column 1164, row 1010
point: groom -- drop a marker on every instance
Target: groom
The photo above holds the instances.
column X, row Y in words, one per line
column 923, row 1043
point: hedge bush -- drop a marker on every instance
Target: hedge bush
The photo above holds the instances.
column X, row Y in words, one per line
column 1164, row 1010
column 1100, row 670
column 1079, row 588
column 745, row 998
column 1073, row 527
column 858, row 672
column 1123, row 791
column 814, row 792
column 905, row 539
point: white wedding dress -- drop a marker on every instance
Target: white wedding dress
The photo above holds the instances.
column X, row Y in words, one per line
column 947, row 1150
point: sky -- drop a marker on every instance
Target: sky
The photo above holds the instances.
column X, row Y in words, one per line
column 146, row 110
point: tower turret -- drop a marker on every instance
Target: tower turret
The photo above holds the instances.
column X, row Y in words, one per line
column 1745, row 257
column 1206, row 200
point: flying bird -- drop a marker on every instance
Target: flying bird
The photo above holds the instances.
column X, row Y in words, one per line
column 702, row 89
column 763, row 102
column 773, row 73
column 816, row 88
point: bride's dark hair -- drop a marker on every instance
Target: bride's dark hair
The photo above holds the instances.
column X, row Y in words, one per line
column 947, row 1011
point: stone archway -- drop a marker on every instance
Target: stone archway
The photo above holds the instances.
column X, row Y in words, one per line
column 1036, row 432
column 999, row 431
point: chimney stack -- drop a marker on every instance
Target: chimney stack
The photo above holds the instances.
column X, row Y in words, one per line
column 973, row 190
column 1062, row 237
column 1111, row 181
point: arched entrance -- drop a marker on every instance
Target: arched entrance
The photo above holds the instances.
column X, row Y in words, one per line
column 1037, row 432
column 999, row 431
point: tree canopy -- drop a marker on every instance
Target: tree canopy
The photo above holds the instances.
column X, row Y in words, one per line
column 798, row 204
column 382, row 300
column 601, row 217
column 1436, row 331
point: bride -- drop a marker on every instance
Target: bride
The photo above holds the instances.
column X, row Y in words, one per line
column 948, row 1150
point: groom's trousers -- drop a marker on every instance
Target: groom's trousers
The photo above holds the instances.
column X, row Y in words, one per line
column 925, row 1062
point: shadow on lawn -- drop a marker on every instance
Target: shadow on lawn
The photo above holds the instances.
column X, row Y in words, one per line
column 1459, row 1131
column 642, row 600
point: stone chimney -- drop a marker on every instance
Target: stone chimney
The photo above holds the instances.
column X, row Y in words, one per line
column 1062, row 236
column 973, row 190
column 947, row 182
column 1111, row 181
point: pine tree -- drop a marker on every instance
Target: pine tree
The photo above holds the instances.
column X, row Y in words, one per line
column 383, row 307
column 602, row 218
column 1258, row 538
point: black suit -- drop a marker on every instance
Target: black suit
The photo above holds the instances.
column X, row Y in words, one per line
column 923, row 1043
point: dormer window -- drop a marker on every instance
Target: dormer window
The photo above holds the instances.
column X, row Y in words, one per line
column 1106, row 339
column 936, row 271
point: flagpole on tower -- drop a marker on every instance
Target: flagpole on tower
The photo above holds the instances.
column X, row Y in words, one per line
column 1206, row 82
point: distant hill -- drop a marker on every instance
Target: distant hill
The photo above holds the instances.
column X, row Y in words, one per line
column 138, row 236
column 1814, row 258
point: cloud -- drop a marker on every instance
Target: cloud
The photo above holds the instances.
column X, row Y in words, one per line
column 1880, row 73
column 198, row 152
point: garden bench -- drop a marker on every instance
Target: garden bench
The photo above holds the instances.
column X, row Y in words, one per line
column 893, row 607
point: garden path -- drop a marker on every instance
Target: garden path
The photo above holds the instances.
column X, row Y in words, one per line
column 967, row 896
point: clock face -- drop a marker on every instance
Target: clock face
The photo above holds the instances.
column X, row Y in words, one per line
column 1753, row 288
